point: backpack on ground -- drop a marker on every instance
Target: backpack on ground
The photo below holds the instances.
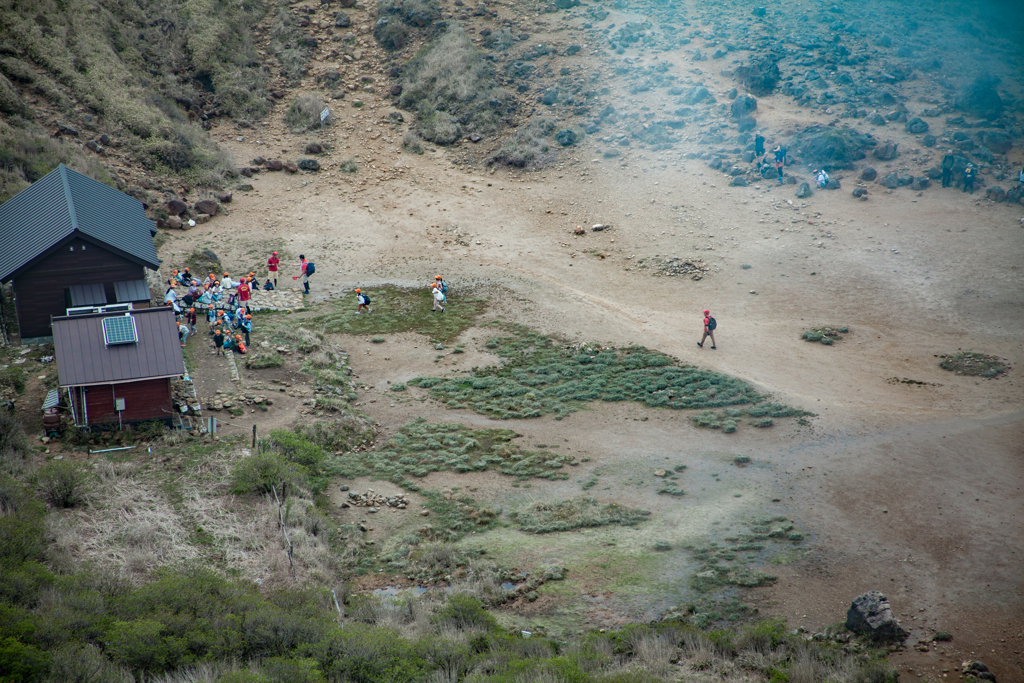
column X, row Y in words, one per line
column 712, row 324
column 310, row 268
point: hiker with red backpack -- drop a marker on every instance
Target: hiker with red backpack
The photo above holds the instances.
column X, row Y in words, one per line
column 709, row 329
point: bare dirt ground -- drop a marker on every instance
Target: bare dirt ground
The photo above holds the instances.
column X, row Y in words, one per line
column 912, row 489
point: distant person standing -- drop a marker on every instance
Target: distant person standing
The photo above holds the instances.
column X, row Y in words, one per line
column 780, row 161
column 244, row 294
column 246, row 325
column 218, row 341
column 758, row 145
column 969, row 173
column 709, row 329
column 1021, row 178
column 948, row 162
column 440, row 282
column 304, row 272
column 183, row 332
column 272, row 263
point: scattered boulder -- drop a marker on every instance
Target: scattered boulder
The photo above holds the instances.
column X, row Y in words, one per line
column 738, row 181
column 859, row 192
column 804, row 191
column 742, row 106
column 342, row 20
column 887, row 151
column 396, row 90
column 980, row 98
column 977, row 670
column 831, row 146
column 868, row 174
column 997, row 141
column 225, row 197
column 995, row 193
column 94, row 146
column 176, row 207
column 698, row 94
column 890, row 181
column 174, row 222
column 274, row 165
column 833, row 184
column 309, row 164
column 746, row 123
column 259, row 161
column 920, row 183
column 207, row 206
column 871, row 615
column 202, row 218
column 289, row 167
column 934, row 173
column 929, row 140
column 347, row 3
column 916, row 126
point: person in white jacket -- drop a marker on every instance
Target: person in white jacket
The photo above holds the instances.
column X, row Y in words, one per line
column 438, row 298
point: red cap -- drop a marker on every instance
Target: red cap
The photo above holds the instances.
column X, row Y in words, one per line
column 707, row 312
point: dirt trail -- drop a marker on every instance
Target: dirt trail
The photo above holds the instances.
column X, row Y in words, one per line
column 913, row 489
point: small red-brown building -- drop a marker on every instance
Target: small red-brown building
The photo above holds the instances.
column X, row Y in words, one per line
column 70, row 241
column 117, row 367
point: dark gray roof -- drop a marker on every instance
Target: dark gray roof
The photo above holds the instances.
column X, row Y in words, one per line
column 62, row 202
column 83, row 358
column 88, row 295
column 131, row 290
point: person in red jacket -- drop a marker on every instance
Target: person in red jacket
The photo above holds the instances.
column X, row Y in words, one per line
column 244, row 294
column 272, row 263
column 709, row 329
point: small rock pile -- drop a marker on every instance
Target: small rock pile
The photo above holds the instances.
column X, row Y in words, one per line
column 375, row 501
column 225, row 401
column 977, row 670
column 183, row 394
column 674, row 266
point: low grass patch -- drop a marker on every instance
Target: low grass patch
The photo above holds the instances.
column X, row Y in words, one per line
column 398, row 309
column 825, row 335
column 264, row 360
column 528, row 147
column 304, row 113
column 454, row 515
column 974, row 364
column 541, row 375
column 576, row 513
column 422, row 447
column 734, row 564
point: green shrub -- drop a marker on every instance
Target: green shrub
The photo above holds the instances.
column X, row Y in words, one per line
column 258, row 473
column 528, row 146
column 20, row 662
column 288, row 670
column 466, row 613
column 411, row 143
column 973, row 364
column 398, row 387
column 243, row 677
column 339, row 435
column 304, row 113
column 453, row 90
column 296, row 448
column 348, row 166
column 14, row 446
column 63, row 483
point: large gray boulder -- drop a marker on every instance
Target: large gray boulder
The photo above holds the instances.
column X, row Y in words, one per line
column 871, row 615
column 804, row 191
column 744, row 105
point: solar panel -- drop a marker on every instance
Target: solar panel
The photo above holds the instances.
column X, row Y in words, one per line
column 119, row 330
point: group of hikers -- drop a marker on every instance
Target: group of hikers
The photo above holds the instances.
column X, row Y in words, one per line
column 228, row 313
column 764, row 165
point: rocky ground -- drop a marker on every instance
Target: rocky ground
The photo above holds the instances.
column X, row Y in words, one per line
column 907, row 480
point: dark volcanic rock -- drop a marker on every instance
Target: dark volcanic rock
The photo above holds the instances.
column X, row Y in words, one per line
column 920, row 183
column 996, row 194
column 738, row 181
column 859, row 192
column 342, row 20
column 917, row 126
column 998, row 141
column 207, row 206
column 833, row 184
column 309, row 164
column 698, row 94
column 289, row 167
column 887, row 151
column 868, row 173
column 934, row 173
column 929, row 140
column 176, row 207
column 746, row 123
column 871, row 615
column 890, row 181
column 804, row 191
column 275, row 165
column 744, row 105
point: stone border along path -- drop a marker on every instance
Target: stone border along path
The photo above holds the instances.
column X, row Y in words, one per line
column 233, row 367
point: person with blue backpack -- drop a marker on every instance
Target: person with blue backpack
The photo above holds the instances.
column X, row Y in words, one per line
column 442, row 284
column 306, row 268
column 709, row 329
column 439, row 298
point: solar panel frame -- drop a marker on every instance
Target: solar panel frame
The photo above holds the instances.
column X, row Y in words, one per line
column 120, row 330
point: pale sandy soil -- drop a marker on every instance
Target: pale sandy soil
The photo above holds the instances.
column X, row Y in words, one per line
column 915, row 490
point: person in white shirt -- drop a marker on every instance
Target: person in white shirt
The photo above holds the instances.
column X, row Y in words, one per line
column 438, row 298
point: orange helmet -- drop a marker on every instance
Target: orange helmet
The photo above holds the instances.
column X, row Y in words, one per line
column 217, row 282
column 225, row 273
column 248, row 316
column 191, row 310
column 175, row 271
column 358, row 290
column 238, row 336
column 219, row 313
column 437, row 277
